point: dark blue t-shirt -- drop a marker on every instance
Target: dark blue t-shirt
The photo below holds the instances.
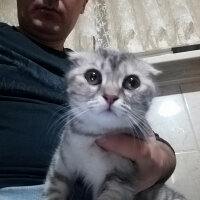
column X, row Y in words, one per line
column 32, row 98
column 31, row 102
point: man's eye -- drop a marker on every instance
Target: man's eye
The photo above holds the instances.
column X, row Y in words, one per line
column 93, row 77
column 131, row 82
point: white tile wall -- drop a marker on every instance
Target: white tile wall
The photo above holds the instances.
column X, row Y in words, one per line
column 169, row 117
column 186, row 178
column 176, row 117
column 192, row 100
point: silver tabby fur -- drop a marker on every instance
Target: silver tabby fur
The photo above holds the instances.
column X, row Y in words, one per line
column 110, row 176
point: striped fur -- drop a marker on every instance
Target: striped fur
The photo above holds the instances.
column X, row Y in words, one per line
column 91, row 116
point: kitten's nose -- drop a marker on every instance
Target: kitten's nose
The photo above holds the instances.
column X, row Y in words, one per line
column 110, row 99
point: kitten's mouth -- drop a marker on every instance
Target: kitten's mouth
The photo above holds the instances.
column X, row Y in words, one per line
column 109, row 111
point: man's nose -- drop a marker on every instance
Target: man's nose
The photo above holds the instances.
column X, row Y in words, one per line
column 51, row 3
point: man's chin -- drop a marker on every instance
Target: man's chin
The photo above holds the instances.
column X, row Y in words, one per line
column 46, row 27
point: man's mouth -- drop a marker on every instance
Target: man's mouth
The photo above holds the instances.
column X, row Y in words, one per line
column 46, row 9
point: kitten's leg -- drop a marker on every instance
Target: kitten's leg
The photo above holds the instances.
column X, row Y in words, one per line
column 159, row 192
column 117, row 186
column 57, row 183
column 56, row 187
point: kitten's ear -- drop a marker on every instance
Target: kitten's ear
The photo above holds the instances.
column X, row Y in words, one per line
column 75, row 58
column 154, row 71
column 74, row 55
column 80, row 57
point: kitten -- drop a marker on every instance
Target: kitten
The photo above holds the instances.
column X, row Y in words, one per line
column 109, row 93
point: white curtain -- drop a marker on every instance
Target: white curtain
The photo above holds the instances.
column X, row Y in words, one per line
column 129, row 25
column 8, row 11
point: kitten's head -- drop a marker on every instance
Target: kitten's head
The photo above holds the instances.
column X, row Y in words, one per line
column 110, row 91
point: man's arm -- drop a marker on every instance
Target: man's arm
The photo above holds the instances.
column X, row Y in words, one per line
column 155, row 159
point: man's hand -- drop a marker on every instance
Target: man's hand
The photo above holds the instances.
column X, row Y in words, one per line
column 154, row 159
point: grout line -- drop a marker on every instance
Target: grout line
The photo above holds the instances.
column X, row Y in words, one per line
column 187, row 152
column 189, row 116
column 178, row 81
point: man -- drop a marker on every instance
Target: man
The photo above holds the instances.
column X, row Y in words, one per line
column 32, row 65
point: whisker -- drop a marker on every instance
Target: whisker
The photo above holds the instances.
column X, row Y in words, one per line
column 133, row 124
column 63, row 118
column 140, row 130
column 143, row 122
column 135, row 131
column 132, row 128
column 140, row 117
column 93, row 102
column 140, row 123
column 76, row 116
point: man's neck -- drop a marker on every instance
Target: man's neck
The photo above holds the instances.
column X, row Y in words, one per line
column 56, row 45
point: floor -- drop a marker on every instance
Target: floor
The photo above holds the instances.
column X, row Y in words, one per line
column 175, row 115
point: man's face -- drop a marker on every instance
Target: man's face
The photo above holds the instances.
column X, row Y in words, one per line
column 49, row 16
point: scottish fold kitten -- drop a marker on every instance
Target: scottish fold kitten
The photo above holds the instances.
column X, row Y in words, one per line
column 109, row 93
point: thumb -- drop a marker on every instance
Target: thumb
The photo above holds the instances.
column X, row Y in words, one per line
column 124, row 145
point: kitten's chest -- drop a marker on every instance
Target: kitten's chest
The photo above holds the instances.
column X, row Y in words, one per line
column 85, row 158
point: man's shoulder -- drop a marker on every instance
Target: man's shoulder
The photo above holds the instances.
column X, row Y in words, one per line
column 18, row 48
column 7, row 32
column 4, row 26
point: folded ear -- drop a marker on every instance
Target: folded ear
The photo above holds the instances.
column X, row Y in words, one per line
column 76, row 58
column 153, row 71
column 73, row 55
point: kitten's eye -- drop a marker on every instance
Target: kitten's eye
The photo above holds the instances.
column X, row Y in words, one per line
column 131, row 82
column 93, row 77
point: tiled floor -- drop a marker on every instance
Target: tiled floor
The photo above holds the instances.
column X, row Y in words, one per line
column 176, row 117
